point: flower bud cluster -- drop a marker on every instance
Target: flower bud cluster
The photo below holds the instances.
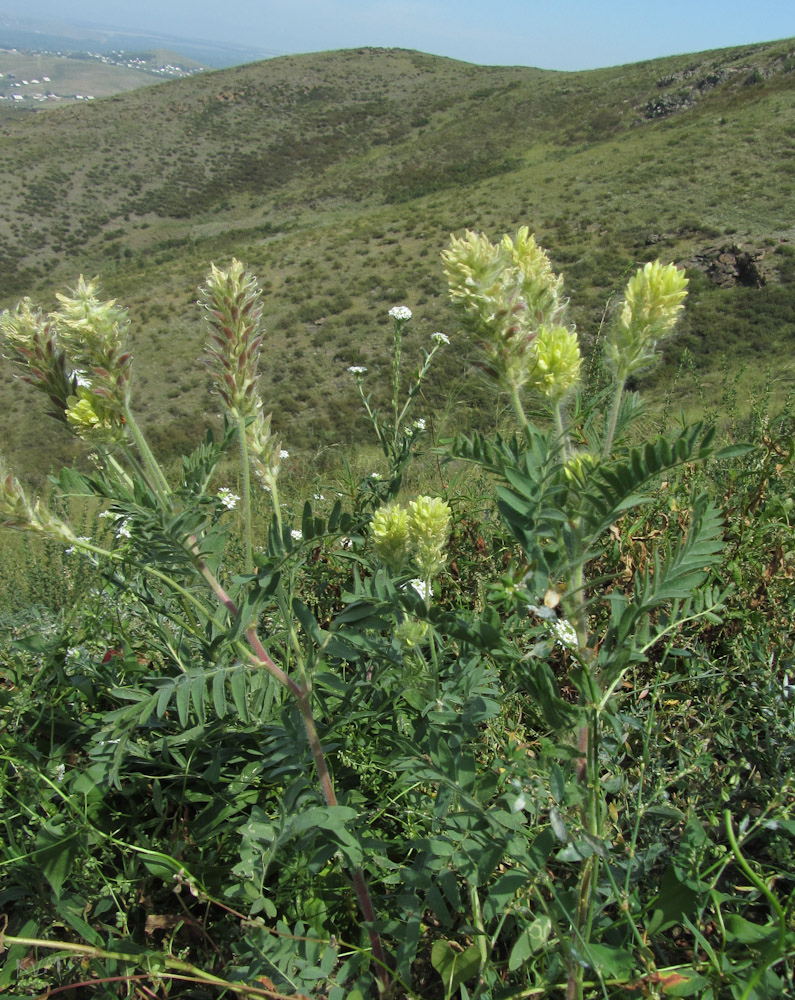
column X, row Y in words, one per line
column 34, row 347
column 510, row 294
column 77, row 356
column 233, row 308
column 17, row 511
column 653, row 299
column 415, row 536
column 264, row 449
column 94, row 334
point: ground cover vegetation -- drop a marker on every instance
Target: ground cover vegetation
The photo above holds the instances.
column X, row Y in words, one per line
column 334, row 176
column 509, row 715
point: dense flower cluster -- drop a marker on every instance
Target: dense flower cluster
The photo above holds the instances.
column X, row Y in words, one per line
column 510, row 295
column 414, row 536
column 400, row 313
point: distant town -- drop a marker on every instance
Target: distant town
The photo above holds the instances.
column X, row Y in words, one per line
column 25, row 90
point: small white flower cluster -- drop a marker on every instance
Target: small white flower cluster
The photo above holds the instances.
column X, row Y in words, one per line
column 565, row 633
column 318, row 496
column 284, row 454
column 120, row 525
column 440, row 338
column 561, row 628
column 228, row 498
column 419, row 423
column 401, row 313
column 375, row 475
column 296, row 534
column 357, row 369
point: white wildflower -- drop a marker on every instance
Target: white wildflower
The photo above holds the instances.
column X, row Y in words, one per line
column 228, row 498
column 318, row 496
column 375, row 475
column 357, row 369
column 296, row 534
column 60, row 770
column 284, row 454
column 419, row 423
column 440, row 338
column 400, row 313
column 122, row 528
column 564, row 632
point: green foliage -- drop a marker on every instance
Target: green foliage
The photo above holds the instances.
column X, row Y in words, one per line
column 561, row 766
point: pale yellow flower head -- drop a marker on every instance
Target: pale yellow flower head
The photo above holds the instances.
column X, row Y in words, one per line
column 556, row 358
column 508, row 291
column 391, row 536
column 412, row 634
column 94, row 417
column 429, row 529
column 653, row 299
column 579, row 466
column 414, row 537
column 94, row 336
column 34, row 347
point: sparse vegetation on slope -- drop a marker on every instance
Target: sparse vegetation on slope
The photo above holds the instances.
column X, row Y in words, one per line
column 334, row 175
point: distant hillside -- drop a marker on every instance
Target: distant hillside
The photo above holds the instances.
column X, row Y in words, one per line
column 339, row 176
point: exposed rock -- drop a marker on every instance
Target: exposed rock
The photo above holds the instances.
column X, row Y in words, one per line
column 733, row 264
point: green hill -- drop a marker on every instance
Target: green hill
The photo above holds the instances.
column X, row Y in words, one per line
column 338, row 177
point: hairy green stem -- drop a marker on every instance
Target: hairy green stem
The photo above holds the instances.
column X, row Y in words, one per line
column 613, row 419
column 560, row 427
column 516, row 401
column 246, row 491
column 157, row 479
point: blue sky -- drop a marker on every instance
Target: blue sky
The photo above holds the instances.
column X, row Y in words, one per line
column 551, row 34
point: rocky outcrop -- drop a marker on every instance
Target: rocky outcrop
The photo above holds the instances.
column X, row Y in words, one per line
column 685, row 87
column 733, row 264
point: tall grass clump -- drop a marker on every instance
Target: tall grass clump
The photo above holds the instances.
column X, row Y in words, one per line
column 471, row 744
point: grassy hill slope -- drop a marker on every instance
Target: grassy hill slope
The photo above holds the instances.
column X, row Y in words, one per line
column 338, row 178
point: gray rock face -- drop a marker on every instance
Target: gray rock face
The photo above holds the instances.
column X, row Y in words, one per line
column 733, row 264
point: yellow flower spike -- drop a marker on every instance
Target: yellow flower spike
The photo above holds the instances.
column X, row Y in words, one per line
column 391, row 536
column 653, row 299
column 557, row 362
column 507, row 291
column 429, row 528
